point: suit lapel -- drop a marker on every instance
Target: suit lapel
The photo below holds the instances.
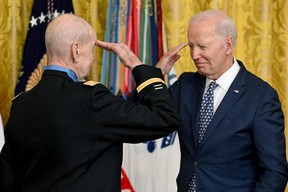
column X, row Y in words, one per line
column 200, row 86
column 191, row 98
column 235, row 91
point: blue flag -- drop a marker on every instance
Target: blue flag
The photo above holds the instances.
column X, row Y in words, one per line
column 43, row 12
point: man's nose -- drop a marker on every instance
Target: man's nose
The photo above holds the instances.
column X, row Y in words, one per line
column 195, row 53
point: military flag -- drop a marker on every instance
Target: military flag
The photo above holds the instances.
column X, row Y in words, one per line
column 153, row 165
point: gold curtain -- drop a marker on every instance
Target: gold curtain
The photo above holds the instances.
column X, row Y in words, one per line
column 262, row 38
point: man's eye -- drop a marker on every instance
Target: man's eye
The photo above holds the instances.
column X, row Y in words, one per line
column 202, row 47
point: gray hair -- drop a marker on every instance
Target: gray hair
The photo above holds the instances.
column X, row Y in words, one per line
column 224, row 24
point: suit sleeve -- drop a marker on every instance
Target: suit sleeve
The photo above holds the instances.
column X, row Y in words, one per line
column 153, row 117
column 270, row 144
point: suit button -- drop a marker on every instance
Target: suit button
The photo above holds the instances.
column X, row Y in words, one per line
column 195, row 163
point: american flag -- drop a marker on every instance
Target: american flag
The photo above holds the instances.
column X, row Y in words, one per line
column 43, row 12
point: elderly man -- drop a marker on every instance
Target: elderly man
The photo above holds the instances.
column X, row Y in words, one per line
column 232, row 125
column 66, row 134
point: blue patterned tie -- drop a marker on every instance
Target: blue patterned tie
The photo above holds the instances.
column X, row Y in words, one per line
column 206, row 111
column 206, row 114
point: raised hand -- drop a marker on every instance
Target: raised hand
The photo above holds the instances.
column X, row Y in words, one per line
column 169, row 58
column 126, row 56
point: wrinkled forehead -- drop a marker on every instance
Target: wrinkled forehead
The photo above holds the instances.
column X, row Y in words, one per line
column 202, row 29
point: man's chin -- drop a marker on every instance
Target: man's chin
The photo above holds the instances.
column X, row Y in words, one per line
column 201, row 71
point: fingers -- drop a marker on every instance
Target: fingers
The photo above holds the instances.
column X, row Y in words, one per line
column 108, row 46
column 126, row 56
column 130, row 60
column 175, row 58
column 177, row 49
column 117, row 48
column 169, row 58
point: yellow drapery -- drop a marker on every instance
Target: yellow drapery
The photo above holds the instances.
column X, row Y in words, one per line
column 262, row 38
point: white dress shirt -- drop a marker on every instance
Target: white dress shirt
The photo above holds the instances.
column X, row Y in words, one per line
column 224, row 82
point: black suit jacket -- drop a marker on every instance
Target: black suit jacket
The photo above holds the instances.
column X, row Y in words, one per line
column 243, row 149
column 64, row 136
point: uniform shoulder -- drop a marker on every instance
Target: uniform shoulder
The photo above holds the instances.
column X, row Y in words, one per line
column 91, row 83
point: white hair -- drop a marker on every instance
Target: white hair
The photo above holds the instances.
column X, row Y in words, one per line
column 224, row 24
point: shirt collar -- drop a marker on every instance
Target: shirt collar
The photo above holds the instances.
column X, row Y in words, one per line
column 69, row 72
column 225, row 80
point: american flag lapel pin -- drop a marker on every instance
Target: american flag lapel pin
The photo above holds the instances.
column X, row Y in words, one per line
column 236, row 91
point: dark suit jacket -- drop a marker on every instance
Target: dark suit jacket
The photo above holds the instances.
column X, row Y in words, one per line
column 64, row 136
column 243, row 149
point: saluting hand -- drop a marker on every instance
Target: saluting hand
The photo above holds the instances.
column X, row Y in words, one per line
column 126, row 56
column 169, row 58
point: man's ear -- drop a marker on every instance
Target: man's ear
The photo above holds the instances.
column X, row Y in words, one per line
column 229, row 45
column 75, row 51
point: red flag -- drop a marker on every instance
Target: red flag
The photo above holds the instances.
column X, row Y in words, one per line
column 125, row 183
